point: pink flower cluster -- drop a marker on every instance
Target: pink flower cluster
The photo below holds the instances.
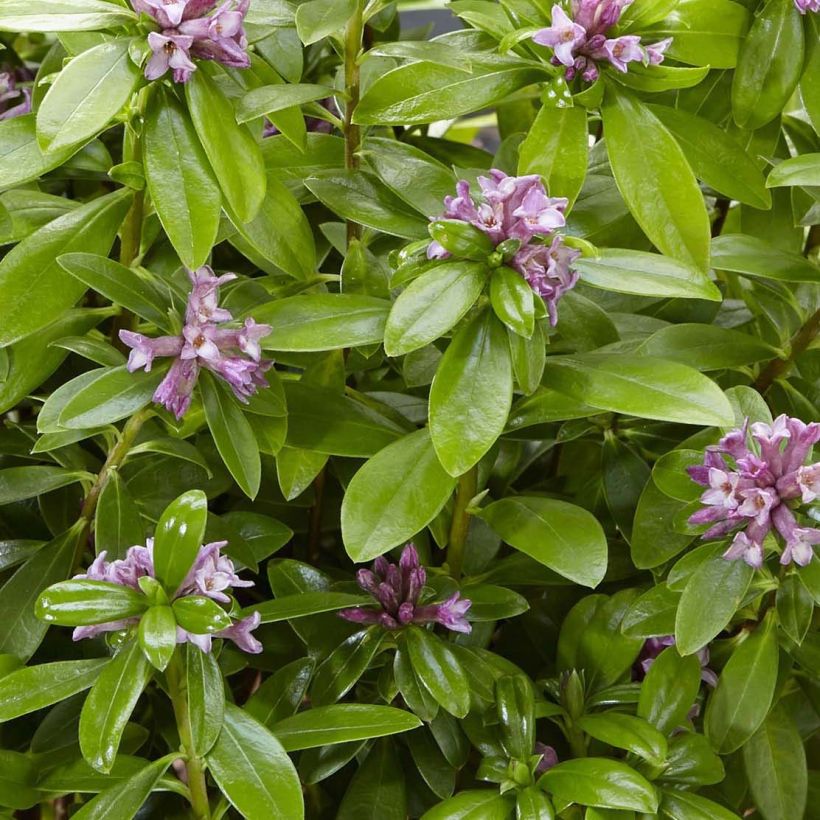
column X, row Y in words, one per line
column 233, row 354
column 188, row 29
column 396, row 588
column 210, row 575
column 519, row 208
column 654, row 646
column 804, row 6
column 756, row 489
column 14, row 100
column 581, row 43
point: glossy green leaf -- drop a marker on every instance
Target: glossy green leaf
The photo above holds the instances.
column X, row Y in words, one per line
column 471, row 394
column 801, row 170
column 62, row 15
column 709, row 601
column 308, row 603
column 339, row 672
column 656, row 181
column 319, row 18
column 627, row 732
column 393, row 496
column 513, row 301
column 795, row 607
column 86, row 95
column 271, row 98
column 472, row 804
column 232, row 434
column 562, row 536
column 377, row 789
column 669, row 689
column 769, row 65
column 82, row 601
column 432, row 305
column 206, row 697
column 516, row 715
column 182, row 185
column 253, row 770
column 755, row 257
column 118, row 524
column 200, row 615
column 179, row 535
column 683, row 805
column 33, row 287
column 109, row 705
column 281, row 694
column 158, row 635
column 744, row 692
column 231, row 149
column 438, row 670
column 32, row 688
column 17, row 483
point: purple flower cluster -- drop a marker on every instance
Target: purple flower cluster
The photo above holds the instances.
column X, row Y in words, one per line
column 233, row 354
column 519, row 208
column 188, row 29
column 760, row 488
column 210, row 575
column 654, row 646
column 396, row 588
column 14, row 100
column 581, row 44
column 804, row 6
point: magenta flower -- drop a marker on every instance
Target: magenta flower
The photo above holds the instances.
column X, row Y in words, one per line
column 654, row 646
column 211, row 574
column 549, row 757
column 233, row 354
column 397, row 588
column 519, row 208
column 581, row 43
column 756, row 490
column 188, row 28
column 804, row 6
column 14, row 101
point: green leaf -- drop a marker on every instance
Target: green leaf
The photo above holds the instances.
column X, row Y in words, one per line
column 253, row 770
column 117, row 523
column 471, row 394
column 178, row 538
column 562, row 536
column 516, row 715
column 669, row 689
column 319, row 18
column 121, row 285
column 291, row 246
column 341, row 670
column 528, row 359
column 645, row 387
column 33, row 287
column 653, row 537
column 206, row 697
column 62, row 15
column 709, row 601
column 707, row 347
column 533, row 804
column 492, row 603
column 754, row 257
column 183, row 188
column 716, row 157
column 110, row 395
column 473, row 804
column 158, row 635
column 324, row 420
column 86, row 95
column 513, row 301
column 21, row 631
column 655, row 180
column 32, row 688
column 323, row 321
column 645, row 274
column 308, row 603
column 691, row 760
column 282, row 693
column 438, row 670
column 268, row 99
column 740, row 702
column 557, row 148
column 769, row 65
column 124, row 800
column 704, row 32
column 81, row 601
column 377, row 789
column 231, row 149
column 652, row 614
column 795, row 607
column 109, row 705
column 16, row 781
column 21, row 159
column 200, row 615
column 600, row 782
column 424, row 92
column 232, row 435
column 393, row 496
column 775, row 763
column 18, row 483
column 624, row 476
column 432, row 305
column 682, row 805
column 802, row 170
column 363, row 198
column 341, row 723
column 627, row 732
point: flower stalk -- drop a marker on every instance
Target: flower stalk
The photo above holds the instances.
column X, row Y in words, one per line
column 460, row 526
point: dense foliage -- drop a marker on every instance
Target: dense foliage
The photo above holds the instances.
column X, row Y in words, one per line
column 408, row 425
